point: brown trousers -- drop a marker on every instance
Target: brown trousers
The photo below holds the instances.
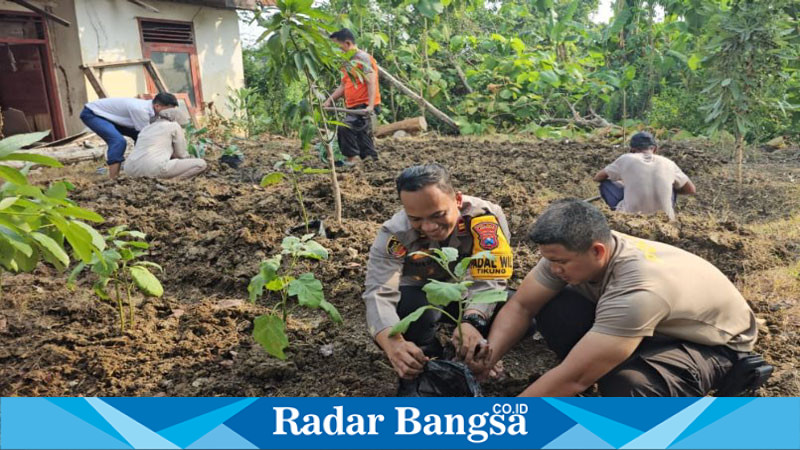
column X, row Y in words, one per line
column 660, row 367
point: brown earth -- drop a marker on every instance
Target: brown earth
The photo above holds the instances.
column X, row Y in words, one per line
column 211, row 233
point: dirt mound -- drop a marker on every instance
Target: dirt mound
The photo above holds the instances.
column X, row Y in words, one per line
column 211, row 233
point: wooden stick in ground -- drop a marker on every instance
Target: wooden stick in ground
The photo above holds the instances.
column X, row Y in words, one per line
column 404, row 89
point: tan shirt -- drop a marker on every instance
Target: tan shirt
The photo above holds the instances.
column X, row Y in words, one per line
column 158, row 142
column 650, row 287
column 391, row 265
column 649, row 181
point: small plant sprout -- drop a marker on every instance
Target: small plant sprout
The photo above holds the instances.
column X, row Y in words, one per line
column 275, row 274
column 441, row 293
column 293, row 168
column 120, row 266
column 196, row 140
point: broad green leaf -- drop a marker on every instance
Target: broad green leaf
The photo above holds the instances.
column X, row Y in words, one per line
column 462, row 267
column 268, row 271
column 33, row 158
column 17, row 141
column 272, row 178
column 149, row 264
column 307, row 289
column 279, row 283
column 7, row 202
column 134, row 234
column 52, row 247
column 447, row 254
column 402, row 326
column 313, row 250
column 333, row 313
column 18, row 242
column 268, row 330
column 441, row 293
column 147, row 283
column 27, row 263
column 80, row 213
column 97, row 238
column 13, row 175
column 490, row 296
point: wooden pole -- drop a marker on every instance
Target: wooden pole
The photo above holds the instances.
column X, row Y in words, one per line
column 404, row 89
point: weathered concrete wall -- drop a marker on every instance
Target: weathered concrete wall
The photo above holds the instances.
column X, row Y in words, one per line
column 109, row 31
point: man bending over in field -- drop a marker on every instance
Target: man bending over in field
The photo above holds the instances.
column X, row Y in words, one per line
column 643, row 182
column 434, row 215
column 638, row 317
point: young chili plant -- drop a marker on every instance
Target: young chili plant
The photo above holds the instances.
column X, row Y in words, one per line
column 121, row 267
column 441, row 293
column 276, row 275
column 293, row 168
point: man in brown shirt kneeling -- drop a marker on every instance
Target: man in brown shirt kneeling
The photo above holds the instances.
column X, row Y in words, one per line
column 638, row 317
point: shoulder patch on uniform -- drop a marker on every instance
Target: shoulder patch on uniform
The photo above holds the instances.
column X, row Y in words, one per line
column 487, row 235
column 396, row 248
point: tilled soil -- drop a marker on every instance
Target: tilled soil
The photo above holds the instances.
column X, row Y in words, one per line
column 210, row 234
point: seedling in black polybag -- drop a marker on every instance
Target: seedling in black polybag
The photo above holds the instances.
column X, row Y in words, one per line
column 441, row 293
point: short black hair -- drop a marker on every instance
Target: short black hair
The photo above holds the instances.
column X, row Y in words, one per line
column 165, row 99
column 573, row 223
column 416, row 178
column 642, row 141
column 344, row 35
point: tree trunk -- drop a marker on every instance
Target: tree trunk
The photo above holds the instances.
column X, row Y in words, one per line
column 412, row 125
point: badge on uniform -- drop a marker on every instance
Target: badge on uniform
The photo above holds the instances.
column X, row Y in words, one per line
column 396, row 248
column 487, row 235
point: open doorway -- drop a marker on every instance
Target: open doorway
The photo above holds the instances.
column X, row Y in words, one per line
column 28, row 99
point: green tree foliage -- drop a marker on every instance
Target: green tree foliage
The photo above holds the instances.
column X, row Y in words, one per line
column 534, row 65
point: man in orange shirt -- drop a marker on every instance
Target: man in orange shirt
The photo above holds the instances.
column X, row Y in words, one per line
column 360, row 90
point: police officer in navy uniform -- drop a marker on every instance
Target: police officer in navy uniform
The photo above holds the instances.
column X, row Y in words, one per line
column 434, row 215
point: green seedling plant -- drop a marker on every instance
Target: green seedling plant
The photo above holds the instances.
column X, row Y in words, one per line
column 121, row 266
column 291, row 168
column 276, row 275
column 442, row 293
column 196, row 140
column 232, row 151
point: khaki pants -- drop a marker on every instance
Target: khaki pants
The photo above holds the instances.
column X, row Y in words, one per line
column 183, row 168
column 660, row 367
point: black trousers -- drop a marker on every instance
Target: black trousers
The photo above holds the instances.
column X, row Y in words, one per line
column 660, row 367
column 422, row 332
column 356, row 139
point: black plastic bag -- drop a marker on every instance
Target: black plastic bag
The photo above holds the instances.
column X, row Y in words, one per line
column 441, row 378
column 232, row 161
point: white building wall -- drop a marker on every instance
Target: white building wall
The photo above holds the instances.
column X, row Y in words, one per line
column 109, row 31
